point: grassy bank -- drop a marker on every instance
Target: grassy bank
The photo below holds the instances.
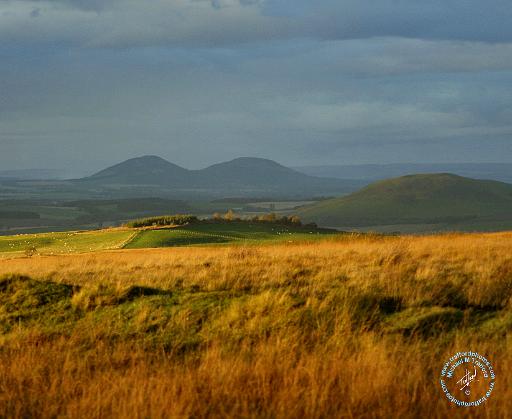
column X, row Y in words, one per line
column 345, row 327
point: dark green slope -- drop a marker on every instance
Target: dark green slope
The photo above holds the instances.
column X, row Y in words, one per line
column 415, row 199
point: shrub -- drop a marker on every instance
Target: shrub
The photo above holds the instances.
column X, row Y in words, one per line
column 269, row 218
column 230, row 216
column 295, row 219
column 273, row 218
column 30, row 251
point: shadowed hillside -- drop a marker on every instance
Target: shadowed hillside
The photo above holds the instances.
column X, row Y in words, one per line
column 247, row 176
column 246, row 173
column 439, row 198
column 151, row 170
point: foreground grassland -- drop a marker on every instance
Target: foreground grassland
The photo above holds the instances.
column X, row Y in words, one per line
column 348, row 326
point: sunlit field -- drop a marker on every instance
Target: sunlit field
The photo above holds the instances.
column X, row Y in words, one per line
column 346, row 326
column 147, row 237
column 65, row 242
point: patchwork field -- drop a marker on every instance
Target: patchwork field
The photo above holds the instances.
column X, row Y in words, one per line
column 194, row 234
column 234, row 232
column 347, row 326
column 65, row 242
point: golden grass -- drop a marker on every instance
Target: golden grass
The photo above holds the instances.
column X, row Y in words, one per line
column 355, row 326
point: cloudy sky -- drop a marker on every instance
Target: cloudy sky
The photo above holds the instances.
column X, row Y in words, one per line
column 84, row 84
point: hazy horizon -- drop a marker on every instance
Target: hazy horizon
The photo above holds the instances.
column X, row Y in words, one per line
column 364, row 171
column 82, row 172
column 88, row 84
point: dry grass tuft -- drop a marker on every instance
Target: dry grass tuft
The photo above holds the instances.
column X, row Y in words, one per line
column 356, row 326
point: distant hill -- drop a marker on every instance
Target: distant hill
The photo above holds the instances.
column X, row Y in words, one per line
column 244, row 176
column 417, row 199
column 372, row 172
column 146, row 170
column 251, row 174
column 245, row 171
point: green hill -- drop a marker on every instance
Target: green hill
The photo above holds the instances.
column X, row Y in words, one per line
column 417, row 199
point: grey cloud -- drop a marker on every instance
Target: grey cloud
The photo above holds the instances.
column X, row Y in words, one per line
column 87, row 5
column 293, row 106
column 229, row 22
column 299, row 81
column 435, row 19
column 132, row 23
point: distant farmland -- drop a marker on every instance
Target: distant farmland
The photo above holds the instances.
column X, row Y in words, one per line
column 234, row 232
column 66, row 242
column 195, row 234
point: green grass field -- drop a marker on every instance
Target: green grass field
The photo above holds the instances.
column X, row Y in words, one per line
column 66, row 242
column 189, row 235
column 207, row 234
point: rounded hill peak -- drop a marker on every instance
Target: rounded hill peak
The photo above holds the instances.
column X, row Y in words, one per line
column 249, row 168
column 416, row 199
column 149, row 157
column 252, row 161
column 142, row 170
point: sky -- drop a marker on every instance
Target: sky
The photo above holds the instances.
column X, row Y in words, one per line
column 86, row 84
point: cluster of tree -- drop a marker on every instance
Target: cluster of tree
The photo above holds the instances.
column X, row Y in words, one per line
column 264, row 218
column 167, row 220
column 273, row 218
column 229, row 216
